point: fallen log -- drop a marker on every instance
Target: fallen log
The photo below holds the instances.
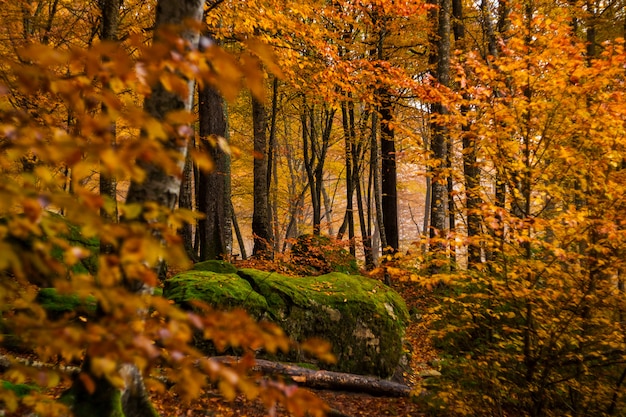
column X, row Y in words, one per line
column 337, row 381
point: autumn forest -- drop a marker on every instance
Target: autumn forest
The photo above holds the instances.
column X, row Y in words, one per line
column 472, row 152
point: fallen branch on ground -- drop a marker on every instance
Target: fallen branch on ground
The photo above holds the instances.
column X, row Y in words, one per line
column 337, row 381
column 305, row 377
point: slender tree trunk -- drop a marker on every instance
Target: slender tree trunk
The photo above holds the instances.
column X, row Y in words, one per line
column 272, row 167
column 349, row 139
column 389, row 176
column 440, row 140
column 328, row 211
column 110, row 10
column 376, row 174
column 261, row 227
column 315, row 147
column 187, row 202
column 242, row 244
column 471, row 171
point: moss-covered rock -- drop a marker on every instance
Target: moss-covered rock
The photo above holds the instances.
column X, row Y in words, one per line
column 221, row 267
column 220, row 290
column 363, row 319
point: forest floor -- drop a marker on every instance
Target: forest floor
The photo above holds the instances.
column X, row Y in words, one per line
column 345, row 404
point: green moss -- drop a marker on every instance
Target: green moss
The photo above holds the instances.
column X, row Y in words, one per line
column 334, row 289
column 19, row 389
column 220, row 290
column 58, row 304
column 74, row 236
column 363, row 319
column 221, row 267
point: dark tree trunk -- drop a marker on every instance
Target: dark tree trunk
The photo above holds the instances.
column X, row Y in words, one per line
column 272, row 168
column 186, row 201
column 110, row 10
column 214, row 187
column 376, row 174
column 348, row 133
column 389, row 176
column 261, row 227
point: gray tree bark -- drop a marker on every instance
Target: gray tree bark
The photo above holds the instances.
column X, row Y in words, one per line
column 440, row 140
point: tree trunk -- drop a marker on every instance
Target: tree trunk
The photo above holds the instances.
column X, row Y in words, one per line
column 110, row 10
column 157, row 187
column 389, row 177
column 214, row 187
column 186, row 201
column 315, row 148
column 261, row 227
column 348, row 133
column 376, row 174
column 242, row 245
column 439, row 142
column 272, row 168
column 471, row 171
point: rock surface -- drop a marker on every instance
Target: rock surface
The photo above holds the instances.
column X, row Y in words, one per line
column 362, row 318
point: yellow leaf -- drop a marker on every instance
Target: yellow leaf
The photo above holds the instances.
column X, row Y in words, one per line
column 266, row 55
column 131, row 211
column 103, row 366
column 204, row 161
column 154, row 129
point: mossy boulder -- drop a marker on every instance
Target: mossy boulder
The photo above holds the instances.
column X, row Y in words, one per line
column 363, row 319
column 319, row 254
column 221, row 267
column 220, row 290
